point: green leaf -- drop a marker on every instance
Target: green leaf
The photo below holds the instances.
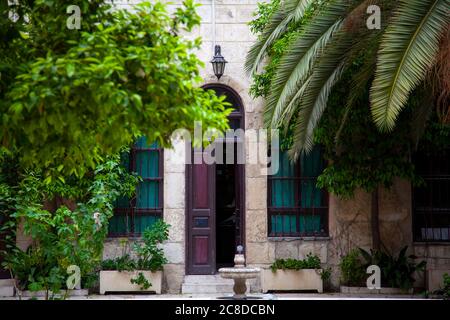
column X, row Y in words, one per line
column 70, row 69
column 24, row 35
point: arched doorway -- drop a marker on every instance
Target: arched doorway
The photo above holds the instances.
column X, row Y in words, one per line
column 215, row 197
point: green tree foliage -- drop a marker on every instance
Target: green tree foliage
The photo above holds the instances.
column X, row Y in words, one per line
column 327, row 37
column 70, row 234
column 69, row 98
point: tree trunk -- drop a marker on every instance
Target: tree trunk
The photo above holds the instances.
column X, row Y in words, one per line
column 375, row 223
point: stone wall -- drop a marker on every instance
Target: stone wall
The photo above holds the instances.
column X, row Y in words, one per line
column 349, row 220
column 437, row 257
column 174, row 214
column 350, row 227
column 233, row 34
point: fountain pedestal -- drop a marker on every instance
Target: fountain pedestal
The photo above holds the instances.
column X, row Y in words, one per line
column 239, row 273
column 239, row 288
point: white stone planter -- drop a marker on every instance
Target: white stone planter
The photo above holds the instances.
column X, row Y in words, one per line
column 365, row 290
column 291, row 280
column 42, row 293
column 120, row 281
column 7, row 288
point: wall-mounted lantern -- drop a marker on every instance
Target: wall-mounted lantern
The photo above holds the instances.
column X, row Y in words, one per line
column 218, row 63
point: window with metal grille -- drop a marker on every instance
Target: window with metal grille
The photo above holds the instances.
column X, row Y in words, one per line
column 133, row 216
column 431, row 202
column 296, row 207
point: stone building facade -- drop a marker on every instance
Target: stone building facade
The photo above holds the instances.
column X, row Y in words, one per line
column 348, row 221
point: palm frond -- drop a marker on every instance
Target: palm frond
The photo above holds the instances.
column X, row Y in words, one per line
column 407, row 51
column 297, row 63
column 312, row 106
column 292, row 88
column 326, row 72
column 291, row 11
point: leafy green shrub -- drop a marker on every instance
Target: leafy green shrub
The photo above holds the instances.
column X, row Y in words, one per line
column 149, row 254
column 141, row 281
column 326, row 274
column 352, row 268
column 310, row 262
column 60, row 237
column 446, row 288
column 396, row 272
column 123, row 263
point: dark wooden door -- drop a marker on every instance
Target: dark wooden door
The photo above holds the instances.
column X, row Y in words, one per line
column 201, row 242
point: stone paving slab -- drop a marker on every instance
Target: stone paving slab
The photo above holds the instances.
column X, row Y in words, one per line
column 290, row 296
column 226, row 297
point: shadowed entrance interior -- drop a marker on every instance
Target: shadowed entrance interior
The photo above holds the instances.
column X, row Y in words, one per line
column 226, row 213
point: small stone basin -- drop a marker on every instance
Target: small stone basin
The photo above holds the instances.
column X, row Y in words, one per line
column 239, row 273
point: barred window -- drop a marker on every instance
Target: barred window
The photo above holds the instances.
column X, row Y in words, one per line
column 296, row 207
column 431, row 202
column 133, row 216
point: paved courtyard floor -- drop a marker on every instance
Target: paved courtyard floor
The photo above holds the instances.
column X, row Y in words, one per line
column 253, row 296
column 277, row 296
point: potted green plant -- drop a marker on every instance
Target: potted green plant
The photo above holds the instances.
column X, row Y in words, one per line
column 293, row 275
column 143, row 272
column 446, row 286
column 397, row 272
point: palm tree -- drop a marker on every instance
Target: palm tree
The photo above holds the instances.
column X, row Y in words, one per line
column 412, row 48
column 406, row 49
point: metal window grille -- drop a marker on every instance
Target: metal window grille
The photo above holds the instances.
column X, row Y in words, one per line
column 133, row 216
column 296, row 207
column 431, row 201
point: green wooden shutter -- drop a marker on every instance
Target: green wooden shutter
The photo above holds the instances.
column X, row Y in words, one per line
column 147, row 193
column 147, row 165
column 311, row 168
column 283, row 191
column 283, row 194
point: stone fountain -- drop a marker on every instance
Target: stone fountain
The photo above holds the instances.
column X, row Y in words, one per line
column 239, row 273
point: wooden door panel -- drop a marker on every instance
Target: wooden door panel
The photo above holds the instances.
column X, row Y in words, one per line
column 201, row 218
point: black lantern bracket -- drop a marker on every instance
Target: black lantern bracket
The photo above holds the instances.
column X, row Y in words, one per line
column 218, row 62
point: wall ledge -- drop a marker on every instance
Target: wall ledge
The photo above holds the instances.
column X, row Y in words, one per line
column 278, row 239
column 431, row 244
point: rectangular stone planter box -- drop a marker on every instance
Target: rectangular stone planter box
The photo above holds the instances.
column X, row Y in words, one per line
column 435, row 279
column 120, row 281
column 365, row 290
column 7, row 288
column 291, row 280
column 41, row 293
